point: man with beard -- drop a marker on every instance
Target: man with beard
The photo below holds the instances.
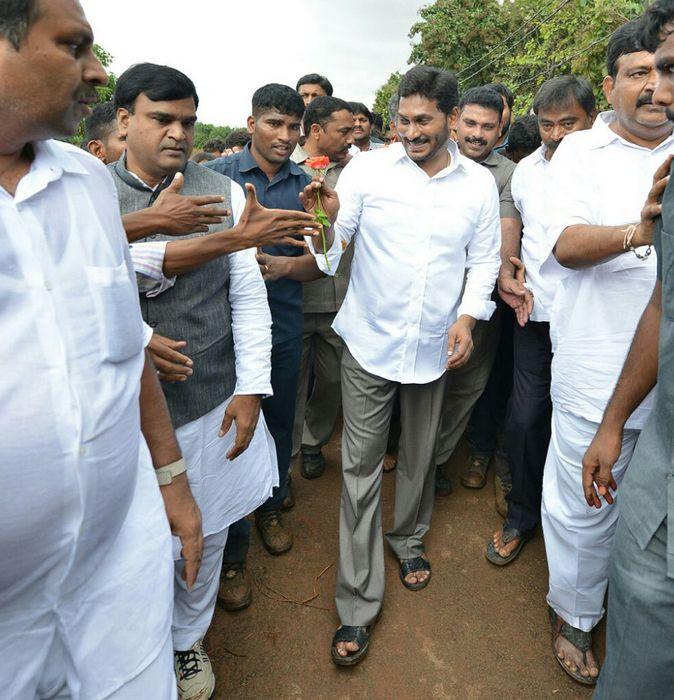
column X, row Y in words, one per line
column 416, row 211
column 476, row 395
column 328, row 125
column 601, row 179
column 265, row 163
column 640, row 634
column 562, row 105
column 86, row 587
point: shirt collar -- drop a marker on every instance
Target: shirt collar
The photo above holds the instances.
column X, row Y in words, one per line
column 491, row 161
column 247, row 163
column 457, row 160
column 603, row 135
column 48, row 155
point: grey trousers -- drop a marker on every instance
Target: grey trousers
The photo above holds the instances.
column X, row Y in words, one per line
column 465, row 385
column 367, row 402
column 640, row 630
column 315, row 415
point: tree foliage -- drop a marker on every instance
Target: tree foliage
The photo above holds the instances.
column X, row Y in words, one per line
column 518, row 42
column 204, row 132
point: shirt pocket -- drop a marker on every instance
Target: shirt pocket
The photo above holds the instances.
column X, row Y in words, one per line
column 667, row 254
column 118, row 313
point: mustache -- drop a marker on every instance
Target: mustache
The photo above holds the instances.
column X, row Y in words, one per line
column 477, row 141
column 644, row 100
column 88, row 94
column 418, row 141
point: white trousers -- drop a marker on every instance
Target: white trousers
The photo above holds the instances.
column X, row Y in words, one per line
column 156, row 681
column 578, row 538
column 193, row 609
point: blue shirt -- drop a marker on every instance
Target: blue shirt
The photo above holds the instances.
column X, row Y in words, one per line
column 282, row 192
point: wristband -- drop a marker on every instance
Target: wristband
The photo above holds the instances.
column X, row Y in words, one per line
column 166, row 474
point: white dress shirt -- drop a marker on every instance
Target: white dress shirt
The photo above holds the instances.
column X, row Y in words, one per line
column 83, row 532
column 531, row 197
column 415, row 237
column 599, row 179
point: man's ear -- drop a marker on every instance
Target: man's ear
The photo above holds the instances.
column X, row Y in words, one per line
column 250, row 124
column 453, row 118
column 315, row 131
column 123, row 116
column 96, row 148
column 607, row 87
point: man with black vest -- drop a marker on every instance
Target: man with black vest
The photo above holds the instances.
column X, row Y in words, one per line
column 220, row 309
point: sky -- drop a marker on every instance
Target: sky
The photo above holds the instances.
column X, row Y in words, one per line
column 231, row 48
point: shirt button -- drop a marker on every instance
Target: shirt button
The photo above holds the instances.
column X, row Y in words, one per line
column 48, row 285
column 152, row 235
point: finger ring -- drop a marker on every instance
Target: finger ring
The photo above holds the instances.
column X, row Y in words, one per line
column 266, row 268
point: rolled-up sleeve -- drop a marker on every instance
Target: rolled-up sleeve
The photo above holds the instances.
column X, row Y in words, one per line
column 148, row 264
column 251, row 318
column 483, row 261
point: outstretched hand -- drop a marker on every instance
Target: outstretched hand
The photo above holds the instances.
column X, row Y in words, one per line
column 262, row 226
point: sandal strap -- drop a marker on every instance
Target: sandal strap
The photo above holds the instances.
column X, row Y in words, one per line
column 351, row 633
column 581, row 640
column 510, row 534
column 408, row 566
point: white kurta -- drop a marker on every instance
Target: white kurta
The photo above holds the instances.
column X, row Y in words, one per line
column 83, row 533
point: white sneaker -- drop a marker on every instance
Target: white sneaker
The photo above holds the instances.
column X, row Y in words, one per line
column 194, row 673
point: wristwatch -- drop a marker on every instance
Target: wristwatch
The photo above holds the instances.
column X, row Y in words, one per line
column 166, row 474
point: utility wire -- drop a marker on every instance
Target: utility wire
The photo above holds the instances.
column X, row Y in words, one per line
column 561, row 63
column 517, row 43
column 505, row 41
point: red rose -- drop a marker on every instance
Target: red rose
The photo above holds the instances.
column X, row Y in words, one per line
column 318, row 162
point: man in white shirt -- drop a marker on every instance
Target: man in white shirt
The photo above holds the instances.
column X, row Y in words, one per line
column 601, row 178
column 563, row 105
column 86, row 590
column 423, row 218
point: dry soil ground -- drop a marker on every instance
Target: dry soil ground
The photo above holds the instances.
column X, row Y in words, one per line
column 476, row 632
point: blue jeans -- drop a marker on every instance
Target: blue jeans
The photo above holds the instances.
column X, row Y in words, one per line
column 279, row 413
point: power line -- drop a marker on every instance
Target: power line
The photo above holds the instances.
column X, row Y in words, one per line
column 517, row 43
column 561, row 63
column 505, row 41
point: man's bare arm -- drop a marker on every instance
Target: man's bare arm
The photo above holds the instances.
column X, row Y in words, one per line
column 302, row 268
column 181, row 510
column 638, row 377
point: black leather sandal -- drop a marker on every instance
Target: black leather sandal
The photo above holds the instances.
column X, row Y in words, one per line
column 350, row 633
column 509, row 534
column 411, row 566
column 581, row 640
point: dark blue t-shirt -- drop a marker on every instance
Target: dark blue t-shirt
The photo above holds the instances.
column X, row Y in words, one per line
column 285, row 296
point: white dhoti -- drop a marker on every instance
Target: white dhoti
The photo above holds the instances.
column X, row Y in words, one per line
column 578, row 538
column 225, row 491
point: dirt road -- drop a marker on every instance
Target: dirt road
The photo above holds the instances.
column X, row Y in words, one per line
column 476, row 632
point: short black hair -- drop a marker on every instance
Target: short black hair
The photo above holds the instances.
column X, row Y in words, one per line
column 216, row 145
column 433, row 84
column 158, row 83
column 653, row 23
column 524, row 135
column 320, row 111
column 624, row 40
column 484, row 97
column 281, row 98
column 16, row 17
column 504, row 91
column 360, row 108
column 100, row 123
column 563, row 90
column 237, row 137
column 315, row 79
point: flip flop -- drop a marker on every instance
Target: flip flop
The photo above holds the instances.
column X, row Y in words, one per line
column 581, row 640
column 350, row 633
column 409, row 566
column 509, row 534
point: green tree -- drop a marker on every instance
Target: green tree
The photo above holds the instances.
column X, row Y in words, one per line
column 519, row 42
column 204, row 132
column 383, row 95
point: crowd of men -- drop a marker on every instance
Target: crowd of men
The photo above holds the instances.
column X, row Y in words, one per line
column 179, row 325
